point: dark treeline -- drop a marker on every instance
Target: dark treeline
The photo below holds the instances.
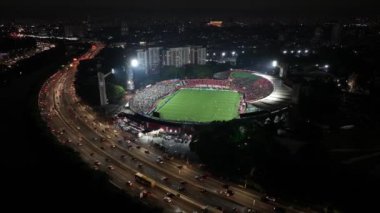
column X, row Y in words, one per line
column 38, row 172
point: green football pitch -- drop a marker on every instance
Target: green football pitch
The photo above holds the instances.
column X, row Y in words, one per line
column 200, row 105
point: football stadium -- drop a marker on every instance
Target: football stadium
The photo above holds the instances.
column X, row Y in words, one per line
column 194, row 101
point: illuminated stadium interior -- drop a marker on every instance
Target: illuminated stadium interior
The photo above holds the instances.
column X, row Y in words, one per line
column 203, row 100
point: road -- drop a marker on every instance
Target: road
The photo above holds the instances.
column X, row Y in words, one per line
column 105, row 147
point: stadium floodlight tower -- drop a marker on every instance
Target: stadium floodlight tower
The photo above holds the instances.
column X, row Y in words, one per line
column 275, row 64
column 102, row 87
column 134, row 63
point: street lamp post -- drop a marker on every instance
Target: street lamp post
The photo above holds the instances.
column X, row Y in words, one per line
column 134, row 63
column 102, row 87
column 275, row 64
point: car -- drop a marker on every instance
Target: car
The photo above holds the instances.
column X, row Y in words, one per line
column 110, row 167
column 143, row 194
column 113, row 146
column 129, row 146
column 164, row 178
column 197, row 177
column 167, row 199
column 267, row 198
column 97, row 163
column 182, row 182
column 179, row 166
column 138, row 147
column 171, row 195
column 79, row 144
column 147, row 151
column 139, row 165
column 203, row 190
column 122, row 156
column 181, row 188
column 159, row 161
column 229, row 193
column 129, row 183
column 133, row 158
column 91, row 154
column 107, row 160
column 102, row 147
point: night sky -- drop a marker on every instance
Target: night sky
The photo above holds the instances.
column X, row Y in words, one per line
column 22, row 7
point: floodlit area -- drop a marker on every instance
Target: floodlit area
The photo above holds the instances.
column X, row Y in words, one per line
column 200, row 105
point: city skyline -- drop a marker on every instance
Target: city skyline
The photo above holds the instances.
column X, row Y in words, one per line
column 271, row 7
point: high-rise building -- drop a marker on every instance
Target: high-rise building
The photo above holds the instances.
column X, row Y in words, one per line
column 181, row 56
column 149, row 59
column 178, row 56
column 142, row 57
column 124, row 29
column 154, row 59
column 198, row 55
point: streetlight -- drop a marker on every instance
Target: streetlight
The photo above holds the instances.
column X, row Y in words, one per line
column 102, row 87
column 223, row 54
column 275, row 64
column 134, row 63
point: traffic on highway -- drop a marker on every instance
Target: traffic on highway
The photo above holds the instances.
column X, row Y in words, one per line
column 141, row 170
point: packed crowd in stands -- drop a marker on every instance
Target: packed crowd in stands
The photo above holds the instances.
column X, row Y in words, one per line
column 209, row 83
column 144, row 99
column 251, row 88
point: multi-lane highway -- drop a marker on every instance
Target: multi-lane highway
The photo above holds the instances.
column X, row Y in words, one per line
column 106, row 148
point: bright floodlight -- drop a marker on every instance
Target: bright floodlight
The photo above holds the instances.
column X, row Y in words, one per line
column 284, row 52
column 134, row 63
column 326, row 66
column 223, row 54
column 299, row 51
column 233, row 53
column 306, row 51
column 274, row 63
column 113, row 71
